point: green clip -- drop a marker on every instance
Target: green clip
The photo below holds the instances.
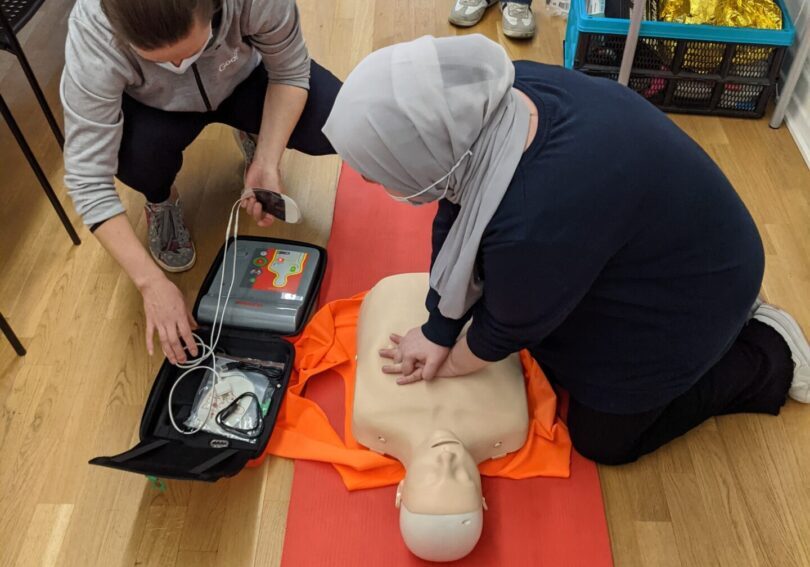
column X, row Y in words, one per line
column 266, row 407
column 157, row 483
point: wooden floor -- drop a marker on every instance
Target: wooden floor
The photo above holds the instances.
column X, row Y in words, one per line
column 734, row 492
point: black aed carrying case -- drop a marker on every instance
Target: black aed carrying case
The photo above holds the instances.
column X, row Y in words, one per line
column 162, row 451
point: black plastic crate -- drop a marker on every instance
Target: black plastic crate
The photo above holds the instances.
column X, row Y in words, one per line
column 685, row 68
column 689, row 76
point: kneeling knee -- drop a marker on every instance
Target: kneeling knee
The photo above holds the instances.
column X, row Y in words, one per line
column 601, row 449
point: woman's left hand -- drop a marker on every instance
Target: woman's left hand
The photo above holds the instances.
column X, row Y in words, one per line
column 415, row 357
column 265, row 177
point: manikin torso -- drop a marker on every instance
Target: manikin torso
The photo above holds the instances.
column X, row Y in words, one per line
column 439, row 429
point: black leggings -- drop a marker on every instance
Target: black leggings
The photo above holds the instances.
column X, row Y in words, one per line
column 151, row 152
column 753, row 377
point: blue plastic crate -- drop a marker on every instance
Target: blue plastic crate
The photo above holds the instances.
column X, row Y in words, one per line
column 690, row 68
column 579, row 21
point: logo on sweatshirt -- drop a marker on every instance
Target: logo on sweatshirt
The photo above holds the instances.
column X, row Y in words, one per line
column 233, row 59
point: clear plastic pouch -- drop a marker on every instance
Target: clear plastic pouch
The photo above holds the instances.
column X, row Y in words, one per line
column 234, row 405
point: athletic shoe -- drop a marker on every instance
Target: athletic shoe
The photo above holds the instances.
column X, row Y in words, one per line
column 169, row 240
column 247, row 144
column 466, row 13
column 790, row 330
column 518, row 20
column 757, row 303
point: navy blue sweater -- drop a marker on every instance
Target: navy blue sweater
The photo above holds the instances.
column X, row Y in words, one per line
column 620, row 256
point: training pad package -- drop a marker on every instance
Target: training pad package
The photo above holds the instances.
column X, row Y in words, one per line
column 205, row 456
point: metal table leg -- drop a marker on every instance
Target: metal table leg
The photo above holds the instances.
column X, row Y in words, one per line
column 12, row 338
column 799, row 63
column 632, row 41
column 43, row 179
column 17, row 50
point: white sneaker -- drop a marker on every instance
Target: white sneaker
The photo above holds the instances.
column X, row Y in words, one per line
column 518, row 20
column 757, row 302
column 789, row 329
column 466, row 13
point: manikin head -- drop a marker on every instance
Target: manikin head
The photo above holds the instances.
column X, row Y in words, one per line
column 440, row 502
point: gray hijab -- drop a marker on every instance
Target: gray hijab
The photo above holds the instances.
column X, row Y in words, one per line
column 437, row 114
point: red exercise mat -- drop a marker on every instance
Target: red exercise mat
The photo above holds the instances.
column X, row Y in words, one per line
column 533, row 522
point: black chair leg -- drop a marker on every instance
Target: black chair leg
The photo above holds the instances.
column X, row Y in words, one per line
column 12, row 338
column 43, row 103
column 17, row 49
column 43, row 180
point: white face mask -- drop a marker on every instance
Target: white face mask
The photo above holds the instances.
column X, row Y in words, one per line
column 188, row 62
column 413, row 199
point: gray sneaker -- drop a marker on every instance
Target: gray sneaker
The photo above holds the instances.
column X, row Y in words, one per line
column 466, row 13
column 518, row 20
column 169, row 240
column 247, row 144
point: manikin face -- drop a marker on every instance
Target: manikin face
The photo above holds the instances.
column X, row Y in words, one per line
column 442, row 478
column 441, row 508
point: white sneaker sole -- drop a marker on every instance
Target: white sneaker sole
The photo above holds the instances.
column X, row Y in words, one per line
column 790, row 330
column 519, row 34
column 173, row 269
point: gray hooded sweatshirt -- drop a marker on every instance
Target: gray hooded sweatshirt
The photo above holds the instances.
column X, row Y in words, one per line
column 100, row 68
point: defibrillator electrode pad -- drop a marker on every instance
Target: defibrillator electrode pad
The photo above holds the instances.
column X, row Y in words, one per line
column 274, row 282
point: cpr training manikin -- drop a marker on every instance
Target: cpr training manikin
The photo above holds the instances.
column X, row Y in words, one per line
column 439, row 430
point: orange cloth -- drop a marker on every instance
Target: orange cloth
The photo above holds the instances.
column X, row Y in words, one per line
column 303, row 431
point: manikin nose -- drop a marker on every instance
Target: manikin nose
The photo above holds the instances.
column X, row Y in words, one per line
column 446, row 459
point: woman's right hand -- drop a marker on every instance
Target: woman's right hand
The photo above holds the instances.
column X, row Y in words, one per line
column 164, row 305
column 167, row 313
column 415, row 357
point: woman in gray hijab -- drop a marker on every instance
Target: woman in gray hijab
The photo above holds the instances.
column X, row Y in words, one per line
column 576, row 221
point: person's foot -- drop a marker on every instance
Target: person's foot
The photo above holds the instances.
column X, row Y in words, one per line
column 247, row 145
column 789, row 329
column 169, row 240
column 518, row 20
column 757, row 303
column 466, row 13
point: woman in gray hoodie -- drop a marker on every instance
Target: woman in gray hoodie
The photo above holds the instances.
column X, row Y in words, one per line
column 142, row 79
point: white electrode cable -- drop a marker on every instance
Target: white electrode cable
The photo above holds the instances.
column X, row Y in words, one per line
column 208, row 350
